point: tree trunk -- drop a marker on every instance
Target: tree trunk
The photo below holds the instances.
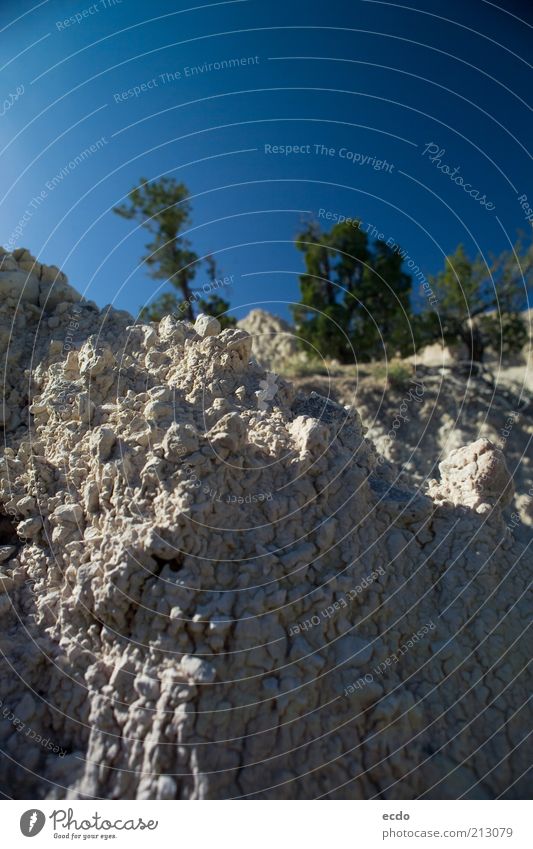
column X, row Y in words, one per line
column 330, row 289
column 187, row 295
column 476, row 344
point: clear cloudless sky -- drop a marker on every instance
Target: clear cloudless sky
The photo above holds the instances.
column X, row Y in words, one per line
column 355, row 79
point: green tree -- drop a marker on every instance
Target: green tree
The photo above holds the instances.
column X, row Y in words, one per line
column 355, row 296
column 479, row 303
column 163, row 208
column 216, row 305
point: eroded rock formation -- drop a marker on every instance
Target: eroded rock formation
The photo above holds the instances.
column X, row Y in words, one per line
column 274, row 342
column 211, row 589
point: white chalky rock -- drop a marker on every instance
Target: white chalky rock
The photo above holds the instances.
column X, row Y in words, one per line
column 30, row 527
column 20, row 284
column 67, row 514
column 58, row 292
column 148, row 688
column 274, row 341
column 476, row 474
column 198, row 670
column 171, row 330
column 207, row 325
column 208, row 600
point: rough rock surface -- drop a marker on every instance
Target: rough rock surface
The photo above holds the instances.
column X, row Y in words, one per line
column 273, row 340
column 415, row 425
column 209, row 592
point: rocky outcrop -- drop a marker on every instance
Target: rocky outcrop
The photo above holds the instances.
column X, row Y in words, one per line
column 274, row 342
column 213, row 587
column 416, row 422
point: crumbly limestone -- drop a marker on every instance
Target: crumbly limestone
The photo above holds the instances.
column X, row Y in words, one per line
column 206, row 599
column 274, row 342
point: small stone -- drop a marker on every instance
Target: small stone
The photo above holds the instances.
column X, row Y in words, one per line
column 26, row 506
column 67, row 514
column 171, row 330
column 197, row 670
column 147, row 687
column 30, row 527
column 102, row 442
column 229, row 432
column 158, row 411
column 207, row 325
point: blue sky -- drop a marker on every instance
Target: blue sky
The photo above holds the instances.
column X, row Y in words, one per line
column 349, row 85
